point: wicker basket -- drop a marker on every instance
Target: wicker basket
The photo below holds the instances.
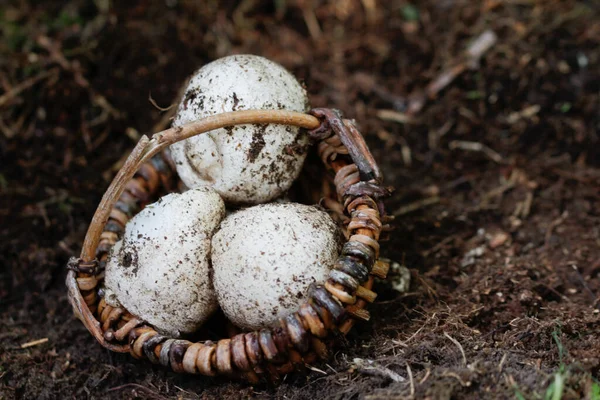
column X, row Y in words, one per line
column 353, row 193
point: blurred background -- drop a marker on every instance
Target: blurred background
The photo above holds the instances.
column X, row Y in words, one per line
column 484, row 115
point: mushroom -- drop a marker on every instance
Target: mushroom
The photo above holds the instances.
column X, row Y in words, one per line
column 160, row 270
column 245, row 164
column 266, row 257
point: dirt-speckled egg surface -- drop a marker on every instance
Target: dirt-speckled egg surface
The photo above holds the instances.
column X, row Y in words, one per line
column 246, row 164
column 265, row 258
column 160, row 270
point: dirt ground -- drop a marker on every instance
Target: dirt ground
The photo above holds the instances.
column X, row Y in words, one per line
column 497, row 179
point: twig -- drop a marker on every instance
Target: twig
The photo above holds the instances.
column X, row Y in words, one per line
column 457, row 343
column 553, row 225
column 527, row 204
column 480, row 46
column 526, row 113
column 584, row 283
column 500, row 190
column 165, row 121
column 458, row 378
column 502, row 363
column 17, row 127
column 55, row 51
column 367, row 84
column 404, row 343
column 370, row 367
column 315, row 369
column 34, row 343
column 395, row 116
column 405, row 151
column 438, row 246
column 153, row 102
column 239, row 14
column 412, row 383
column 427, row 373
column 331, row 368
column 434, row 136
column 478, row 147
column 470, row 60
column 311, row 21
column 370, row 10
column 417, row 205
column 26, row 84
column 56, row 54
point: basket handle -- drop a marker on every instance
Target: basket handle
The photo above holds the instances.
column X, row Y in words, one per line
column 144, row 150
column 147, row 148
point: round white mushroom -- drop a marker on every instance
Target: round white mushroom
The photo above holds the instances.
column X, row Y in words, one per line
column 160, row 270
column 265, row 258
column 246, row 164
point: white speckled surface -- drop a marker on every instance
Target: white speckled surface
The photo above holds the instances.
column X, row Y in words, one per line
column 160, row 270
column 265, row 258
column 246, row 164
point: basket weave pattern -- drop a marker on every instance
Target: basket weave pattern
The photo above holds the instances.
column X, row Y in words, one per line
column 302, row 337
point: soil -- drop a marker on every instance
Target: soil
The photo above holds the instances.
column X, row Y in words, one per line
column 497, row 181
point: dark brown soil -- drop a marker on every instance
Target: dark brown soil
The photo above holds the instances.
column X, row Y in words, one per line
column 503, row 244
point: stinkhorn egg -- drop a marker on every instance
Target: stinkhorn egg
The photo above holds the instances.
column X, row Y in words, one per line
column 266, row 257
column 160, row 270
column 245, row 164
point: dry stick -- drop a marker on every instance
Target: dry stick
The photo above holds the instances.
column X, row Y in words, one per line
column 34, row 343
column 412, row 383
column 311, row 21
column 165, row 120
column 370, row 10
column 371, row 367
column 395, row 116
column 417, row 205
column 470, row 59
column 26, row 84
column 476, row 147
column 584, row 283
column 457, row 343
column 553, row 225
column 502, row 363
column 159, row 108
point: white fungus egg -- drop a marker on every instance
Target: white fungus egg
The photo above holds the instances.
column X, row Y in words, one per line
column 160, row 270
column 266, row 257
column 245, row 164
